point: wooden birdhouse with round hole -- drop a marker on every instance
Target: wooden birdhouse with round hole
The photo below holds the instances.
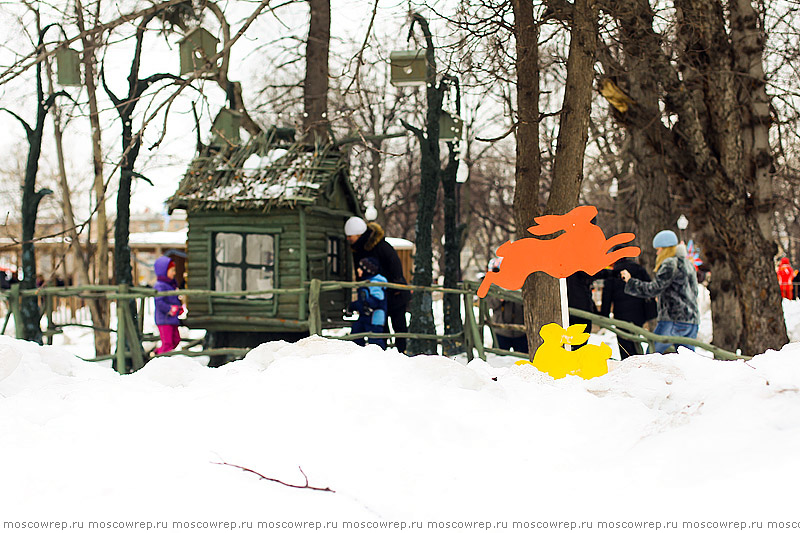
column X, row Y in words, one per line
column 225, row 130
column 68, row 67
column 450, row 127
column 408, row 68
column 196, row 49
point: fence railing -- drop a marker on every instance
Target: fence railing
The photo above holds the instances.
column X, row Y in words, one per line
column 130, row 355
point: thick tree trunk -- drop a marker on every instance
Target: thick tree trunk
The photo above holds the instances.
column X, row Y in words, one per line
column 315, row 86
column 721, row 174
column 646, row 193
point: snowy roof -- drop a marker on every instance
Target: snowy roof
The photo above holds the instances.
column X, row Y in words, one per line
column 259, row 174
column 399, row 244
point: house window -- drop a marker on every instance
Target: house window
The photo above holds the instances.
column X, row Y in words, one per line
column 335, row 256
column 244, row 262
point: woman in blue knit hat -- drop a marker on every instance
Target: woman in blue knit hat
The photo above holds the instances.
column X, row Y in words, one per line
column 675, row 285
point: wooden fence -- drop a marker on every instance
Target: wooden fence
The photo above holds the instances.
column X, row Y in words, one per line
column 62, row 307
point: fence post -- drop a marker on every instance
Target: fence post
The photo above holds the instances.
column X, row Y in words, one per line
column 8, row 317
column 314, row 316
column 14, row 304
column 140, row 318
column 48, row 311
column 470, row 316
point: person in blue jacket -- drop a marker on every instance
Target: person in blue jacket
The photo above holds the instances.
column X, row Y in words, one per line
column 371, row 303
column 168, row 308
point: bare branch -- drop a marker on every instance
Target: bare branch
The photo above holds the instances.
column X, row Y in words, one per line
column 265, row 478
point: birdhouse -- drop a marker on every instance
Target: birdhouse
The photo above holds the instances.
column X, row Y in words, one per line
column 68, row 67
column 450, row 127
column 408, row 68
column 196, row 49
column 225, row 130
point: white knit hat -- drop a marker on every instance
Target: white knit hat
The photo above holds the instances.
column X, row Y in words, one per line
column 354, row 226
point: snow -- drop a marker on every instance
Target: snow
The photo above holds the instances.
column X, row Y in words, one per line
column 677, row 437
column 399, row 244
column 172, row 238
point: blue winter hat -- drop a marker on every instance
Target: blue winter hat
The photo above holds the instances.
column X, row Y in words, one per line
column 665, row 239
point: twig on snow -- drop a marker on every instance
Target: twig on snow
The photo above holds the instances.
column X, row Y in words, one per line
column 265, row 478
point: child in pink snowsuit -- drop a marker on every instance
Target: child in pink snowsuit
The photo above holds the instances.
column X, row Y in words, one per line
column 167, row 307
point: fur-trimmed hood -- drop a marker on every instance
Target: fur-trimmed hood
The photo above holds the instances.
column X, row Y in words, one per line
column 376, row 234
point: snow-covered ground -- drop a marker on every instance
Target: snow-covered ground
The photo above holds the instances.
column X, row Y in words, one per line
column 661, row 438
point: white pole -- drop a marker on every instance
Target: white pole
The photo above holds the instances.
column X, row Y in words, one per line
column 562, row 283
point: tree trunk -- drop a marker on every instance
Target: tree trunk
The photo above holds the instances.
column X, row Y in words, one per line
column 81, row 256
column 540, row 292
column 375, row 174
column 100, row 311
column 421, row 302
column 647, row 194
column 573, row 131
column 453, row 322
column 29, row 308
column 315, row 86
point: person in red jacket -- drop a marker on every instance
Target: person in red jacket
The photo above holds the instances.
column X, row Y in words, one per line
column 785, row 276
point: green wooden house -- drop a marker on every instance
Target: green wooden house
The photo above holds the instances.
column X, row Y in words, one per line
column 265, row 215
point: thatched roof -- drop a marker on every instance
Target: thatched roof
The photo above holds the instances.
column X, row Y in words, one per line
column 259, row 174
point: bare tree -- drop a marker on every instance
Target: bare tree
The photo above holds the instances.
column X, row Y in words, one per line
column 30, row 311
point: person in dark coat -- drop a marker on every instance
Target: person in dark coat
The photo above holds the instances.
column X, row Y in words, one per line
column 579, row 296
column 368, row 240
column 507, row 312
column 626, row 307
column 167, row 307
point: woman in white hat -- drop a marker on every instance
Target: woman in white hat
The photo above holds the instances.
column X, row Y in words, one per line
column 675, row 285
column 368, row 240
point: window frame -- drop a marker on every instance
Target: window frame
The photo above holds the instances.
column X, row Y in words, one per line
column 339, row 255
column 244, row 231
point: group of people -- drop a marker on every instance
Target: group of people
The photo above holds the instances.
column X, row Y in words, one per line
column 628, row 291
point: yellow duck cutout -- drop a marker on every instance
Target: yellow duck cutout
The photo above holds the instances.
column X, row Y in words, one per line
column 589, row 361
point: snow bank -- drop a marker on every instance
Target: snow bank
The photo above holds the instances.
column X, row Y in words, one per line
column 662, row 437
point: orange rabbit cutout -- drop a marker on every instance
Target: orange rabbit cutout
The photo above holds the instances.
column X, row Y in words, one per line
column 588, row 361
column 582, row 246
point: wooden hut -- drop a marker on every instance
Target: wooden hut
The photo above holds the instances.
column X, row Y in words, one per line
column 265, row 215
